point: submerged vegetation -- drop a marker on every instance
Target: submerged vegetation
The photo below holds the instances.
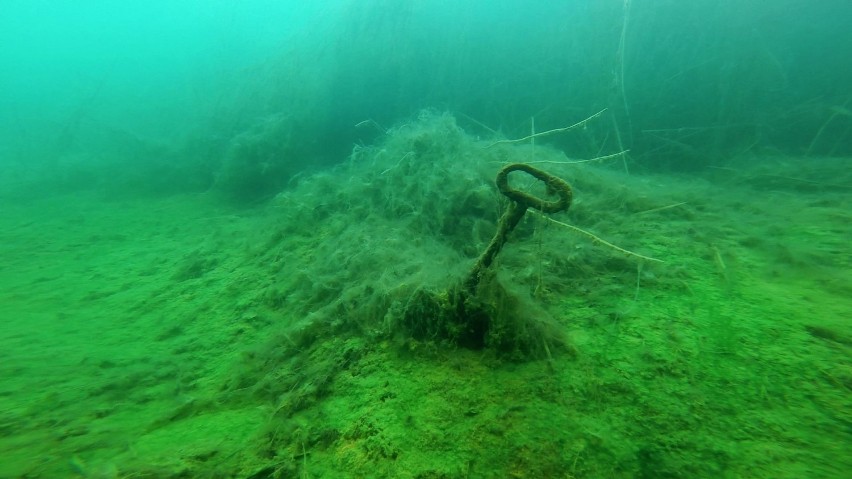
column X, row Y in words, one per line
column 304, row 337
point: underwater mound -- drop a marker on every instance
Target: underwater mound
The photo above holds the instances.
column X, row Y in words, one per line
column 380, row 245
column 382, row 250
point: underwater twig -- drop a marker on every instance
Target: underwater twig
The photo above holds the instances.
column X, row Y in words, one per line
column 371, row 122
column 549, row 132
column 621, row 51
column 620, row 144
column 590, row 160
column 398, row 162
column 477, row 122
column 597, row 239
column 835, row 112
column 780, row 177
column 661, row 208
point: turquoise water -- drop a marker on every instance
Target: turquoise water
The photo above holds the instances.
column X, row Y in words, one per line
column 237, row 239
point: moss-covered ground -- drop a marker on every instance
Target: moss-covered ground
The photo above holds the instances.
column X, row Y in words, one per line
column 176, row 336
